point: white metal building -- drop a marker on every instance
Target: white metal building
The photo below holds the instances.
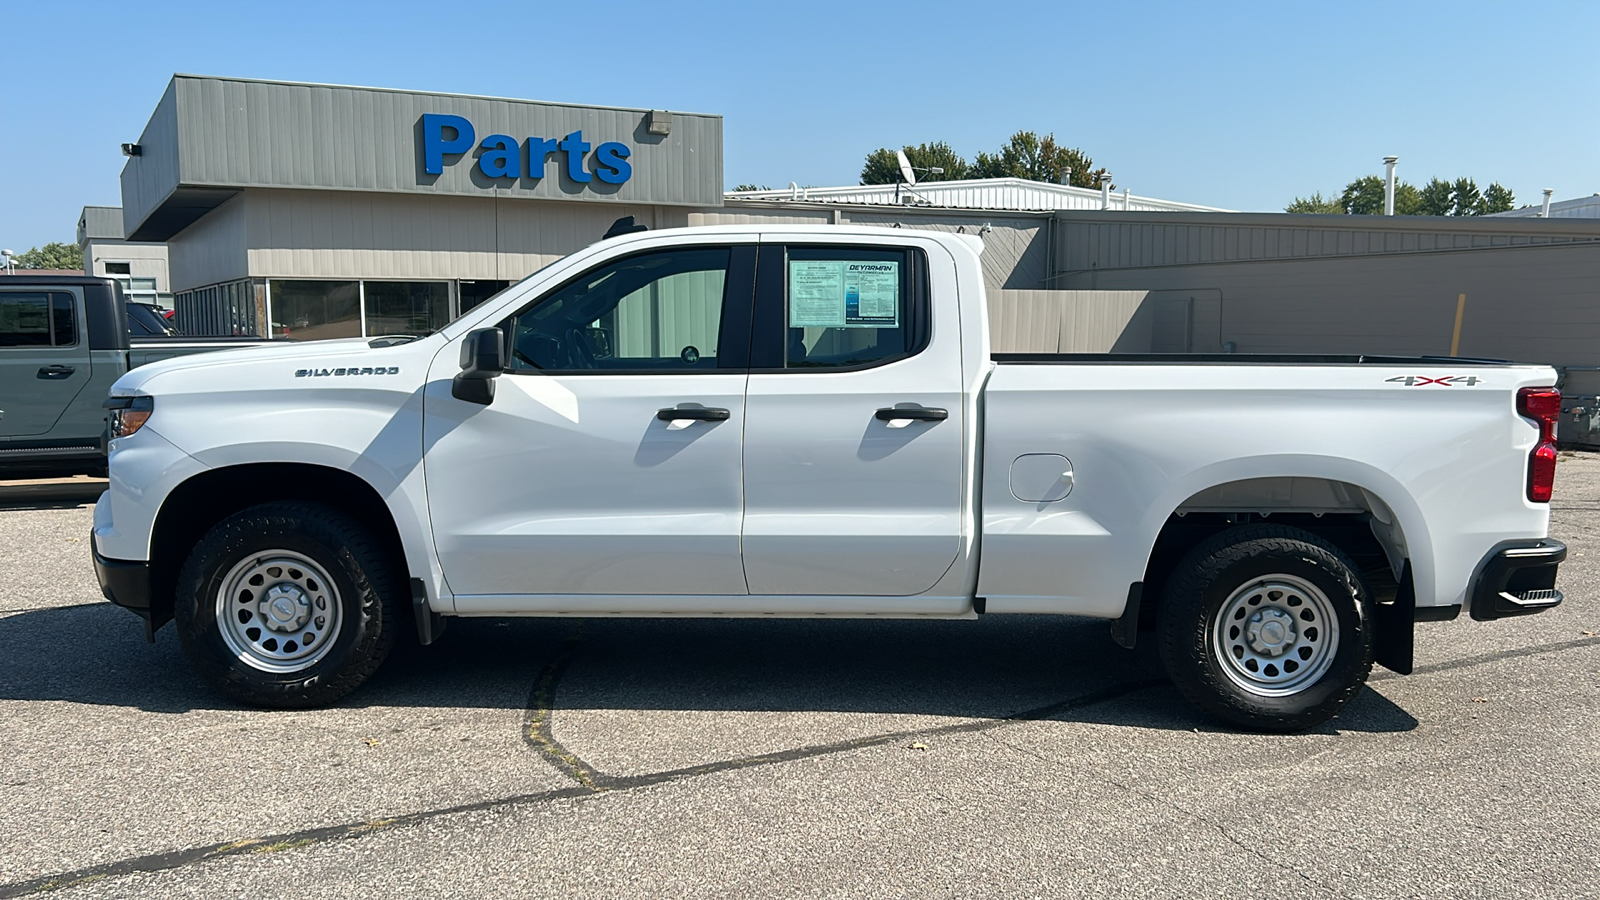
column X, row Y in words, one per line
column 1581, row 208
column 1012, row 194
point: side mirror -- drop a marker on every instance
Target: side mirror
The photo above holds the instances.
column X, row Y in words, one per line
column 483, row 358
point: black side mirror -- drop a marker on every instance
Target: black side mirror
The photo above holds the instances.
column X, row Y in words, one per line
column 483, row 358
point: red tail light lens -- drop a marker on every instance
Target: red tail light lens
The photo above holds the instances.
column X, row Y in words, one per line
column 1543, row 406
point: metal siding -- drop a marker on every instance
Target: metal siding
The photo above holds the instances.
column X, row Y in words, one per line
column 732, row 216
column 151, row 177
column 998, row 194
column 329, row 234
column 102, row 222
column 265, row 134
column 1049, row 321
column 212, row 250
column 1534, row 304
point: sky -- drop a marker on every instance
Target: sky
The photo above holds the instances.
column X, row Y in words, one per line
column 1237, row 105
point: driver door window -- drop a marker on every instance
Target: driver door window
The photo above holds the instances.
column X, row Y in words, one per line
column 655, row 312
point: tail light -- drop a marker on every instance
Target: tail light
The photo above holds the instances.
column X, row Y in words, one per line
column 1543, row 406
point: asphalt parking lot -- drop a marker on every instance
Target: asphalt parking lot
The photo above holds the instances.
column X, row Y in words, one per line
column 1009, row 757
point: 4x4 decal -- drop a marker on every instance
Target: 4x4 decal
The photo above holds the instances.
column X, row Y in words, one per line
column 1446, row 381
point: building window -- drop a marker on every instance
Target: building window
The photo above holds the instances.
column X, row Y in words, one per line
column 474, row 292
column 119, row 268
column 405, row 307
column 315, row 310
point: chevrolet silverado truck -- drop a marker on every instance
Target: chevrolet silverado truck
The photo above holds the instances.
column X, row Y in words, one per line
column 64, row 340
column 810, row 421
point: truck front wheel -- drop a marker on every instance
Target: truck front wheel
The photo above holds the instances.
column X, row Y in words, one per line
column 1267, row 627
column 287, row 605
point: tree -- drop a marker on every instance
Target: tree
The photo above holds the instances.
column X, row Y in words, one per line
column 1315, row 205
column 1436, row 198
column 1407, row 200
column 53, row 255
column 1026, row 155
column 883, row 167
column 1363, row 197
column 751, row 187
column 1496, row 199
column 1466, row 197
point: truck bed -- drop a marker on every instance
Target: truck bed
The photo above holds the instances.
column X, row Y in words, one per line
column 1237, row 359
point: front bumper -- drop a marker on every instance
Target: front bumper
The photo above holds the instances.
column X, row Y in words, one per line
column 1517, row 578
column 126, row 584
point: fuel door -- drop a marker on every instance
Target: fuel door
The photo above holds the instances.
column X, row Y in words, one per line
column 1041, row 477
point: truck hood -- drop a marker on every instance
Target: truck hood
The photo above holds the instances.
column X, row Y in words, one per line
column 286, row 358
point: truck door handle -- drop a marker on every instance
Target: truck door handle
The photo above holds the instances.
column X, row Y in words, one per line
column 921, row 413
column 55, row 373
column 702, row 413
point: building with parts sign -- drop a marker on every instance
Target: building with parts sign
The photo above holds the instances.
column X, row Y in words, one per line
column 334, row 211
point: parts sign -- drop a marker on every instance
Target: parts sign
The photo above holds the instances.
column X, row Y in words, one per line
column 504, row 156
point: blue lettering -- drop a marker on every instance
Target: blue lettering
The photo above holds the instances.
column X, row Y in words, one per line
column 539, row 150
column 575, row 147
column 611, row 158
column 501, row 158
column 434, row 145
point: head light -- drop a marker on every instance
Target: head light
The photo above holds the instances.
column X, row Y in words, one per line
column 128, row 414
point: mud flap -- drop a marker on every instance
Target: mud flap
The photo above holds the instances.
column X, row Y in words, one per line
column 1125, row 628
column 429, row 623
column 1395, row 626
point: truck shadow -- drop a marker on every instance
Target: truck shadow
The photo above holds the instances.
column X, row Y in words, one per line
column 994, row 668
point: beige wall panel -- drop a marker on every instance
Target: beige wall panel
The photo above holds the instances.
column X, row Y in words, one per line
column 761, row 217
column 1015, row 251
column 1068, row 321
column 144, row 260
column 211, row 250
column 328, row 234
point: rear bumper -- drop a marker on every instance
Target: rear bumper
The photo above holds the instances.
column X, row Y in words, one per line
column 1517, row 578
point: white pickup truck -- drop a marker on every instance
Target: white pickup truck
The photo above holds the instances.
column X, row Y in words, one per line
column 809, row 421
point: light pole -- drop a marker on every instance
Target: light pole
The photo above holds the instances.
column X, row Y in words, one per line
column 10, row 259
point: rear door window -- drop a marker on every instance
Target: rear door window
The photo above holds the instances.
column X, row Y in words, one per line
column 38, row 319
column 839, row 307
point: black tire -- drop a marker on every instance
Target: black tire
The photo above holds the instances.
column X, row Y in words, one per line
column 365, row 600
column 1238, row 569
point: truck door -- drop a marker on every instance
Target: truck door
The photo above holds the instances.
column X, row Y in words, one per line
column 44, row 358
column 853, row 425
column 608, row 462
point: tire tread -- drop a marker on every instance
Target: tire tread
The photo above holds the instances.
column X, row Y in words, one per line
column 360, row 558
column 1183, row 643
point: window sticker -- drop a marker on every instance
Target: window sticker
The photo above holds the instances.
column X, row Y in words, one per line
column 844, row 293
column 816, row 294
column 872, row 294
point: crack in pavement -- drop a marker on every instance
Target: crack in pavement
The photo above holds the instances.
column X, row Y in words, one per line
column 591, row 782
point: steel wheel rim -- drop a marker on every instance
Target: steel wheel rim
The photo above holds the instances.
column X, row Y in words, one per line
column 278, row 611
column 1276, row 635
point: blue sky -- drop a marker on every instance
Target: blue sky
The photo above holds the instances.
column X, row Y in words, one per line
column 1239, row 105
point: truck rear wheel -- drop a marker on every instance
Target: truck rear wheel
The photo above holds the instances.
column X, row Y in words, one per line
column 1267, row 627
column 287, row 605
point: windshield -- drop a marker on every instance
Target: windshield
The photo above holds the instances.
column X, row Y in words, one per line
column 146, row 321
